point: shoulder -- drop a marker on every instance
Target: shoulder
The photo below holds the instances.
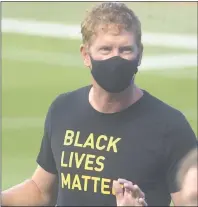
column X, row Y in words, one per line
column 164, row 111
column 169, row 120
column 69, row 98
column 177, row 131
column 175, row 123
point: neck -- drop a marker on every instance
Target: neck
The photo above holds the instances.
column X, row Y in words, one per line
column 105, row 102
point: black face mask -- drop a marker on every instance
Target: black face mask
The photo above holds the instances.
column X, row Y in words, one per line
column 114, row 74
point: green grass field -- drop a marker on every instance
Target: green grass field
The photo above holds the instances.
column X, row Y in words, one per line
column 36, row 69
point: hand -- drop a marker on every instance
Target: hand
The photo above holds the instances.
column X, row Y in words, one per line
column 129, row 194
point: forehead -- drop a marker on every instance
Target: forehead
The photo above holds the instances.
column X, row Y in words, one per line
column 114, row 36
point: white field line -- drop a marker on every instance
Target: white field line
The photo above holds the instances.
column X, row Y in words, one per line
column 49, row 29
column 26, row 122
column 66, row 60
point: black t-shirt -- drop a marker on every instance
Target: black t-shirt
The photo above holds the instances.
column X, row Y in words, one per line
column 88, row 150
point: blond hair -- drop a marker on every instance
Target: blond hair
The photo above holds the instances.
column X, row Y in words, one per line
column 110, row 15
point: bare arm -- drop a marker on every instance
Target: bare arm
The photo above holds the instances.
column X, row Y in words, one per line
column 40, row 190
column 177, row 198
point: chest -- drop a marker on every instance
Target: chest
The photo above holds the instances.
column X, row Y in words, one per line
column 91, row 154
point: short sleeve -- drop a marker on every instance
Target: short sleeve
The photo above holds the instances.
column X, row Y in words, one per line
column 179, row 141
column 45, row 157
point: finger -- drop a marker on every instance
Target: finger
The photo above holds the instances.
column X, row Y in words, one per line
column 122, row 181
column 118, row 190
column 142, row 202
column 128, row 200
column 137, row 203
column 137, row 191
column 128, row 186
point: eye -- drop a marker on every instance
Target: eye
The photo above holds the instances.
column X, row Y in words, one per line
column 105, row 49
column 127, row 49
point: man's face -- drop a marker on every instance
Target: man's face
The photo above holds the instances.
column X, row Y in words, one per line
column 189, row 188
column 108, row 44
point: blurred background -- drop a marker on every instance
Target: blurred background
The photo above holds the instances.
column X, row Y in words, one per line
column 41, row 59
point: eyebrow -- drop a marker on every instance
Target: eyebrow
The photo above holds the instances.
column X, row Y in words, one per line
column 128, row 47
column 105, row 46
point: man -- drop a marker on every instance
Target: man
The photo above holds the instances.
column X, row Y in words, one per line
column 109, row 130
